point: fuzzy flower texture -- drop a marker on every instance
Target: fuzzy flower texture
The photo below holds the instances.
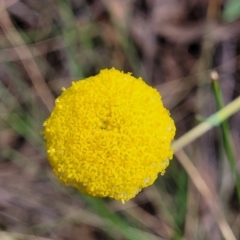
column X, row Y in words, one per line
column 109, row 135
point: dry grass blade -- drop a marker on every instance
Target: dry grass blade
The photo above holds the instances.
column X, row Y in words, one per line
column 37, row 49
column 205, row 126
column 209, row 197
column 18, row 236
column 23, row 52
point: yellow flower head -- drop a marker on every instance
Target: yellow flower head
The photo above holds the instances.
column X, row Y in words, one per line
column 109, row 135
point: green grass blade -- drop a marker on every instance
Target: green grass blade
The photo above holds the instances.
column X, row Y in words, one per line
column 231, row 11
column 213, row 121
column 226, row 136
column 114, row 222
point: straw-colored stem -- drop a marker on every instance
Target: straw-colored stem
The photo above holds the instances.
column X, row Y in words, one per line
column 212, row 121
column 210, row 198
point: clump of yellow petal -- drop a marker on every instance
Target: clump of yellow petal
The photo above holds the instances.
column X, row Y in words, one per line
column 109, row 135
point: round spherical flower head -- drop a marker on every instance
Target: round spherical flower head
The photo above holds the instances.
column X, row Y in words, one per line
column 109, row 135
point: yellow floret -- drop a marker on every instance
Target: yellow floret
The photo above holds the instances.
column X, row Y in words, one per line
column 109, row 135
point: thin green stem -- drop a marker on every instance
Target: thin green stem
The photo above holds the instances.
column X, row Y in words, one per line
column 225, row 132
column 209, row 123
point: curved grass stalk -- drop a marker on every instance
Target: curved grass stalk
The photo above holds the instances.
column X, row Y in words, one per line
column 213, row 121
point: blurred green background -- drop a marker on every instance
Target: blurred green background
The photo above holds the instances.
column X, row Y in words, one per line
column 189, row 50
